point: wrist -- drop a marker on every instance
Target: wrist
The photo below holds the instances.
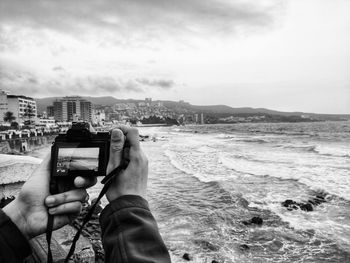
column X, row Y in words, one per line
column 13, row 211
column 113, row 195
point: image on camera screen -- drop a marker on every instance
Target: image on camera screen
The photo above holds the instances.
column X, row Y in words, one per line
column 73, row 159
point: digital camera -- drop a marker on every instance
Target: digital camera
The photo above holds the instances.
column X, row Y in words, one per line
column 79, row 152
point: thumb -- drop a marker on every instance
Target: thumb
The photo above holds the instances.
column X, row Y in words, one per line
column 116, row 149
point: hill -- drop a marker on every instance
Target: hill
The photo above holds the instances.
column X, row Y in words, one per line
column 184, row 107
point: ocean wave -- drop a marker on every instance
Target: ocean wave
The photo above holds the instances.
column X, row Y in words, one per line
column 318, row 149
column 329, row 179
column 188, row 163
column 260, row 141
column 333, row 151
column 307, row 148
column 225, row 136
column 172, row 157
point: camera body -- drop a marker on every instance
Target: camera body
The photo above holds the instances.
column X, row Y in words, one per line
column 79, row 152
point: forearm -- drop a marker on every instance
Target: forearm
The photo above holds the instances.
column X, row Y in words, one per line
column 14, row 212
column 130, row 232
column 14, row 246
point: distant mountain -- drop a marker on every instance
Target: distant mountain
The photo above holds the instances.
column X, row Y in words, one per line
column 219, row 110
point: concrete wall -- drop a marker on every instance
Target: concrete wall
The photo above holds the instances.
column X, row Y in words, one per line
column 16, row 145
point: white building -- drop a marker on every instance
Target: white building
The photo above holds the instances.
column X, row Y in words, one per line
column 23, row 108
column 98, row 116
column 50, row 122
column 3, row 104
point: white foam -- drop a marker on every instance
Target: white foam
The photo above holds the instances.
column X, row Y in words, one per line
column 333, row 180
column 334, row 150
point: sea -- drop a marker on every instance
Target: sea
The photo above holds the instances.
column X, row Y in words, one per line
column 207, row 181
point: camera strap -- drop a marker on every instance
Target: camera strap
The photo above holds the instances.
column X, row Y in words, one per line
column 107, row 182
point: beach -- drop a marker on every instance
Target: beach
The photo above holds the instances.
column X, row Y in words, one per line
column 207, row 182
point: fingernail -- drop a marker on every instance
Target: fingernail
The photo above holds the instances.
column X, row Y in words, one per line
column 50, row 200
column 117, row 135
column 79, row 182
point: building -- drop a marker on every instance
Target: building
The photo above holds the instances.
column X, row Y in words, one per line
column 47, row 122
column 148, row 101
column 202, row 118
column 3, row 104
column 50, row 111
column 196, row 118
column 98, row 116
column 72, row 109
column 22, row 107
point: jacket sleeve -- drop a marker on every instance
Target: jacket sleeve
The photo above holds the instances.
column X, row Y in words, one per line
column 130, row 233
column 14, row 247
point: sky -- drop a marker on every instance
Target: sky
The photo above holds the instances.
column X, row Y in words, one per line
column 288, row 55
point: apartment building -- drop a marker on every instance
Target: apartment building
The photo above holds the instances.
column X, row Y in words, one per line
column 72, row 109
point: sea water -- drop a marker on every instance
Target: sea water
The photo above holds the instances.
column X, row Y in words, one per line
column 204, row 181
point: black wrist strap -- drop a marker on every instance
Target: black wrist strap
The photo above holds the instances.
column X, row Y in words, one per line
column 49, row 229
column 107, row 182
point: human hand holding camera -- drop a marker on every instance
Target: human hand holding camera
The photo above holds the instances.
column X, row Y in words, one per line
column 133, row 180
column 29, row 211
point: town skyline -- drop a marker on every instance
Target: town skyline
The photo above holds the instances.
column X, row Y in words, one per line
column 284, row 55
column 101, row 111
column 181, row 100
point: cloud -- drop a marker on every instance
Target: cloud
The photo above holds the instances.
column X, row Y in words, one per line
column 161, row 83
column 136, row 21
column 58, row 68
column 100, row 46
column 31, row 84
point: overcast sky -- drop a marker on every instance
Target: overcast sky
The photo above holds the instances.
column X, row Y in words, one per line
column 279, row 54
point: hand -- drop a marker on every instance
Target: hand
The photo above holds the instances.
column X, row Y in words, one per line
column 133, row 180
column 29, row 211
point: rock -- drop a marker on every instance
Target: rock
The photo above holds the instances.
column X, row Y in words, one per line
column 244, row 247
column 187, row 257
column 207, row 245
column 276, row 245
column 288, row 203
column 306, row 207
column 292, row 205
column 257, row 220
column 246, row 223
column 214, row 261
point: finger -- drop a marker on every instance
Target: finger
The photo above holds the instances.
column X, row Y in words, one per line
column 132, row 136
column 67, row 208
column 66, row 197
column 116, row 149
column 85, row 182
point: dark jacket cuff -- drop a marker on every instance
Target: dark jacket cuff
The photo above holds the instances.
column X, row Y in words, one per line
column 125, row 201
column 13, row 237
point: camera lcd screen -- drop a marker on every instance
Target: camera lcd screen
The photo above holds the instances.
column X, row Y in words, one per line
column 77, row 159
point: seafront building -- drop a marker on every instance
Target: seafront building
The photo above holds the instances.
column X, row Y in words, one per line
column 72, row 109
column 3, row 104
column 23, row 107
